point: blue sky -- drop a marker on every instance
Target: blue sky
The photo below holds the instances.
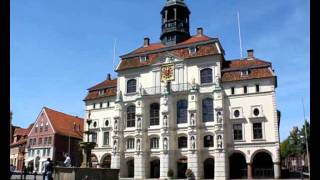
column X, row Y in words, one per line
column 60, row 48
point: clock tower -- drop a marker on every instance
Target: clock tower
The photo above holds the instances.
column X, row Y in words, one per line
column 175, row 22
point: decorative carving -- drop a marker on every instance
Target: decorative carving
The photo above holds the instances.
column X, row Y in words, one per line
column 217, row 81
column 115, row 144
column 115, row 125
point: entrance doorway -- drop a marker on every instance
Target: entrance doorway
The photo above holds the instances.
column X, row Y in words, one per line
column 262, row 166
column 208, row 167
column 155, row 168
column 238, row 166
column 130, row 165
column 182, row 167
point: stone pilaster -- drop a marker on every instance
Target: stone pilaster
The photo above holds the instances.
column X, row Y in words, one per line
column 277, row 170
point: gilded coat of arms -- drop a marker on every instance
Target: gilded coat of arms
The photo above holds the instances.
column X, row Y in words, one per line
column 167, row 72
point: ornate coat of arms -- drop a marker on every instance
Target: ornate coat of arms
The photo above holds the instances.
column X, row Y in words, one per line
column 167, row 72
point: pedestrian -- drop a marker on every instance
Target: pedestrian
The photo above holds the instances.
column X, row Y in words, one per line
column 11, row 170
column 49, row 169
column 67, row 162
column 43, row 170
column 25, row 171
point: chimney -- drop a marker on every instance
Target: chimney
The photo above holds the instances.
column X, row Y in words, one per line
column 109, row 77
column 250, row 54
column 200, row 31
column 146, row 42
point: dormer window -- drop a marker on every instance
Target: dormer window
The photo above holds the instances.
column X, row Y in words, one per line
column 143, row 58
column 101, row 92
column 245, row 72
column 193, row 50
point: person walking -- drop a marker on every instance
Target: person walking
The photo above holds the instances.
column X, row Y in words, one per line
column 49, row 169
column 25, row 171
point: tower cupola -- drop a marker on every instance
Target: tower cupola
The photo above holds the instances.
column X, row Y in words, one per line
column 175, row 22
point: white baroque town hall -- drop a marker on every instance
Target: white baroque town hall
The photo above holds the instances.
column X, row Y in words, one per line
column 179, row 104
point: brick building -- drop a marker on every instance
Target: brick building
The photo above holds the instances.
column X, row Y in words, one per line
column 52, row 135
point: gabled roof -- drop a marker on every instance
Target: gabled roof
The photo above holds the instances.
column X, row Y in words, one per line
column 63, row 123
column 109, row 88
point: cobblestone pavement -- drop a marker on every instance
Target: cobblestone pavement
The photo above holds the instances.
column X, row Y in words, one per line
column 28, row 177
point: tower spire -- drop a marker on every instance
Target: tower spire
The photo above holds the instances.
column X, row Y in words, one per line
column 175, row 22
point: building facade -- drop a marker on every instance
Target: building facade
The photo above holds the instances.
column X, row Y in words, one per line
column 179, row 104
column 18, row 147
column 52, row 135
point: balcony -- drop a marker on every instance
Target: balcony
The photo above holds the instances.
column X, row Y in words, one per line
column 175, row 25
column 174, row 88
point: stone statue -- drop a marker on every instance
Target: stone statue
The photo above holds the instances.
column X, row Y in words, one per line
column 193, row 84
column 217, row 81
column 193, row 143
column 165, row 120
column 165, row 100
column 138, row 144
column 116, row 125
column 115, row 146
column 219, row 141
column 139, row 123
column 219, row 117
column 140, row 90
column 165, row 144
column 192, row 120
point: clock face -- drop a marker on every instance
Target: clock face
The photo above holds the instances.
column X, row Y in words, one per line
column 167, row 72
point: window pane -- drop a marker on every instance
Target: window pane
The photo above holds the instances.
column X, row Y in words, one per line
column 257, row 131
column 182, row 142
column 154, row 114
column 106, row 138
column 131, row 86
column 207, row 110
column 208, row 141
column 131, row 114
column 237, row 131
column 206, row 75
column 182, row 107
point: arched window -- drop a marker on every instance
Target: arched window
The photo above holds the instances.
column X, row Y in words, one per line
column 208, row 141
column 182, row 142
column 130, row 143
column 206, row 75
column 131, row 86
column 207, row 110
column 131, row 115
column 154, row 143
column 154, row 114
column 182, row 107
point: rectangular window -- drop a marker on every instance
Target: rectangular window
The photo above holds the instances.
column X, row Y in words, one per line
column 49, row 140
column 106, row 138
column 232, row 90
column 45, row 140
column 41, row 128
column 130, row 144
column 237, row 131
column 34, row 141
column 257, row 88
column 30, row 142
column 46, row 127
column 154, row 144
column 38, row 152
column 257, row 131
column 108, row 104
column 40, row 141
column 245, row 89
column 43, row 152
column 36, row 129
column 94, row 106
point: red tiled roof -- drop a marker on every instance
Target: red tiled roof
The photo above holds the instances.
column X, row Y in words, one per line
column 20, row 132
column 203, row 50
column 63, row 123
column 95, row 94
column 20, row 142
column 245, row 63
column 105, row 84
column 257, row 69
